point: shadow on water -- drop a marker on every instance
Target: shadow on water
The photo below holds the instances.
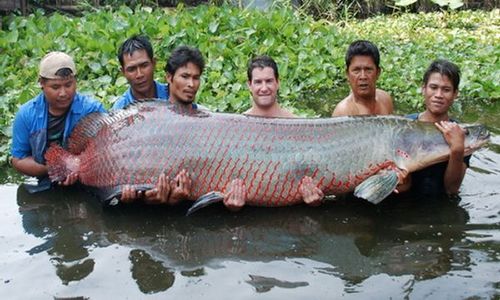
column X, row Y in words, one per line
column 401, row 236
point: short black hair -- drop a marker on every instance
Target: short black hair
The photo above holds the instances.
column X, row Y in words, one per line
column 362, row 47
column 135, row 43
column 262, row 61
column 443, row 67
column 183, row 55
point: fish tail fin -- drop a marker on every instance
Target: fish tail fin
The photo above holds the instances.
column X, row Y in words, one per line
column 205, row 200
column 377, row 187
column 56, row 158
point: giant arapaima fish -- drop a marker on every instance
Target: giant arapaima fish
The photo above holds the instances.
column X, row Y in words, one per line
column 135, row 145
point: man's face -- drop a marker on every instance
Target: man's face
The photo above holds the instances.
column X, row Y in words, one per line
column 362, row 75
column 138, row 68
column 264, row 87
column 184, row 84
column 439, row 94
column 59, row 94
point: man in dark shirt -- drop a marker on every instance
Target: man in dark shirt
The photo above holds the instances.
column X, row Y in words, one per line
column 440, row 89
column 49, row 117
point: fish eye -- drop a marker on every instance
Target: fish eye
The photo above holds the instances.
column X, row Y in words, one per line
column 467, row 132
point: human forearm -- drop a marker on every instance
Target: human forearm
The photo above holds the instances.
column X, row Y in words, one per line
column 29, row 166
column 455, row 172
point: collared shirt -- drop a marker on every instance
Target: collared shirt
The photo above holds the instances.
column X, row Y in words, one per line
column 29, row 130
column 161, row 91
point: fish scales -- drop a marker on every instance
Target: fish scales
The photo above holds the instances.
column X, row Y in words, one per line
column 271, row 155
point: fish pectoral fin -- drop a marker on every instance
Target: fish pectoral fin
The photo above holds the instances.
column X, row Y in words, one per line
column 205, row 200
column 377, row 187
column 111, row 196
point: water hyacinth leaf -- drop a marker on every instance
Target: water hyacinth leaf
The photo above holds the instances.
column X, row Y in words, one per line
column 106, row 79
column 12, row 36
column 212, row 27
column 121, row 81
column 95, row 66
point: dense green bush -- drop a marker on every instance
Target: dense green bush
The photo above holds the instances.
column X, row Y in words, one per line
column 310, row 53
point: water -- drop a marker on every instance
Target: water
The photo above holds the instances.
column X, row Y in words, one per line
column 62, row 244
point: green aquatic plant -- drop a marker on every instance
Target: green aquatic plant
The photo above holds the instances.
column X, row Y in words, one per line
column 310, row 53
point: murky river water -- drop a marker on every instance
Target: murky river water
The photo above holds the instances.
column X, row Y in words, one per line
column 62, row 244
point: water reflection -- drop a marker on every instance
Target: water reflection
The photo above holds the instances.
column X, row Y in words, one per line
column 358, row 240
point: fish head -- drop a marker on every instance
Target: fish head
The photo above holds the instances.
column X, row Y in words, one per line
column 476, row 136
column 422, row 144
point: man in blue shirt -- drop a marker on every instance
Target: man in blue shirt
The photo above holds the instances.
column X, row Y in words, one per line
column 138, row 65
column 49, row 118
column 183, row 74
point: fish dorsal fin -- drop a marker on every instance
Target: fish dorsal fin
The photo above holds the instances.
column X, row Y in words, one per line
column 377, row 187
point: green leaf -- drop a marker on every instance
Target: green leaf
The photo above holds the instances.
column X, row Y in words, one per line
column 212, row 27
column 95, row 66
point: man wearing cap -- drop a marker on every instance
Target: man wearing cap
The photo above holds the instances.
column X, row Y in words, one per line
column 49, row 118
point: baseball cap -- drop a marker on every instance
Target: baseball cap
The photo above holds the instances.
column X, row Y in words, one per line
column 53, row 62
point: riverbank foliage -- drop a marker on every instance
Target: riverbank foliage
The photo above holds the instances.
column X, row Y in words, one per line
column 310, row 53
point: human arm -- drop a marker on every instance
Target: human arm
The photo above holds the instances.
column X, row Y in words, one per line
column 310, row 193
column 455, row 170
column 29, row 166
column 23, row 159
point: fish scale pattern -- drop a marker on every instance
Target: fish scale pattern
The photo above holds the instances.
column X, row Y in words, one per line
column 271, row 156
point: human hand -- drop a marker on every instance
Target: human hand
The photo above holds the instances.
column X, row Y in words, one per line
column 180, row 187
column 236, row 195
column 453, row 134
column 404, row 181
column 311, row 194
column 160, row 193
column 70, row 179
column 129, row 194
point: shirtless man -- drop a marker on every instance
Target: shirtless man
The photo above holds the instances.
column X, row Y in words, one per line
column 362, row 70
column 263, row 82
